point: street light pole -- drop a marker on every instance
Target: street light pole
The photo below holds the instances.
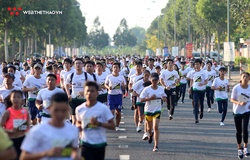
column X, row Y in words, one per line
column 228, row 35
column 174, row 23
column 189, row 21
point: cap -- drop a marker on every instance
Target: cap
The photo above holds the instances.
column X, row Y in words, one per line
column 9, row 75
column 183, row 62
column 38, row 65
column 25, row 64
column 215, row 62
column 144, row 66
column 154, row 76
column 222, row 69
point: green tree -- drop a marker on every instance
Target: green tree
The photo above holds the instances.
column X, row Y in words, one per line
column 123, row 36
column 139, row 33
column 97, row 37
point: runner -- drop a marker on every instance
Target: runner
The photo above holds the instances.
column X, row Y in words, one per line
column 43, row 99
column 103, row 93
column 240, row 99
column 169, row 78
column 15, row 120
column 137, row 89
column 76, row 80
column 152, row 95
column 114, row 83
column 198, row 82
column 221, row 87
column 133, row 79
column 210, row 92
column 64, row 73
column 54, row 139
column 183, row 81
column 32, row 85
column 151, row 67
column 6, row 90
column 93, row 118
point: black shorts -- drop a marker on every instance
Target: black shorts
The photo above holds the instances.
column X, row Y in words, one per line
column 102, row 98
column 91, row 153
column 74, row 103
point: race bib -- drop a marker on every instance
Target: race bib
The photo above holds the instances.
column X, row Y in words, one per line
column 156, row 102
column 18, row 122
column 243, row 98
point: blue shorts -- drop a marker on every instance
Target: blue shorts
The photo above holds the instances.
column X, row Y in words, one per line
column 32, row 108
column 115, row 102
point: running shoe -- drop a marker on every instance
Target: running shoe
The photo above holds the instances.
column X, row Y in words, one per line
column 117, row 128
column 201, row 115
column 150, row 140
column 138, row 129
column 222, row 124
column 209, row 109
column 213, row 106
column 196, row 121
column 240, row 154
column 246, row 152
column 145, row 136
column 170, row 117
column 156, row 149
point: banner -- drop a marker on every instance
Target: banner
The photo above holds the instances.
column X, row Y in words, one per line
column 228, row 51
column 175, row 51
column 189, row 50
column 165, row 51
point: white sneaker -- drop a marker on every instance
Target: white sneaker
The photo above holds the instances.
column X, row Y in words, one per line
column 240, row 154
column 138, row 129
column 222, row 124
column 145, row 136
column 246, row 152
column 117, row 128
column 209, row 109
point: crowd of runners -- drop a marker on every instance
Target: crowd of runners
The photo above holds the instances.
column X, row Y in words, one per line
column 49, row 108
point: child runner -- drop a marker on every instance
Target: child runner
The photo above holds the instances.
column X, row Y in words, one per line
column 16, row 119
column 241, row 102
column 152, row 95
column 54, row 139
column 221, row 87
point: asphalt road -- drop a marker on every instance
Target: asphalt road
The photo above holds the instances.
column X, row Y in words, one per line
column 180, row 138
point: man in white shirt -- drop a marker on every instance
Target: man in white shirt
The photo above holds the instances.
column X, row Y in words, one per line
column 43, row 99
column 64, row 73
column 55, row 139
column 76, row 81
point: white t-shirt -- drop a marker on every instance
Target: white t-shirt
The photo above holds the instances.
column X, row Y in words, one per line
column 243, row 95
column 132, row 71
column 78, row 82
column 116, row 83
column 183, row 79
column 220, row 95
column 45, row 95
column 211, row 76
column 198, row 77
column 138, row 87
column 93, row 135
column 44, row 137
column 126, row 71
column 64, row 74
column 102, row 79
column 153, row 106
column 169, row 77
column 135, row 78
column 31, row 82
column 151, row 70
column 107, row 70
column 4, row 93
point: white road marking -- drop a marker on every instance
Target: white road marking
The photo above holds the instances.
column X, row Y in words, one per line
column 122, row 137
column 122, row 122
column 122, row 129
column 123, row 146
column 124, row 157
